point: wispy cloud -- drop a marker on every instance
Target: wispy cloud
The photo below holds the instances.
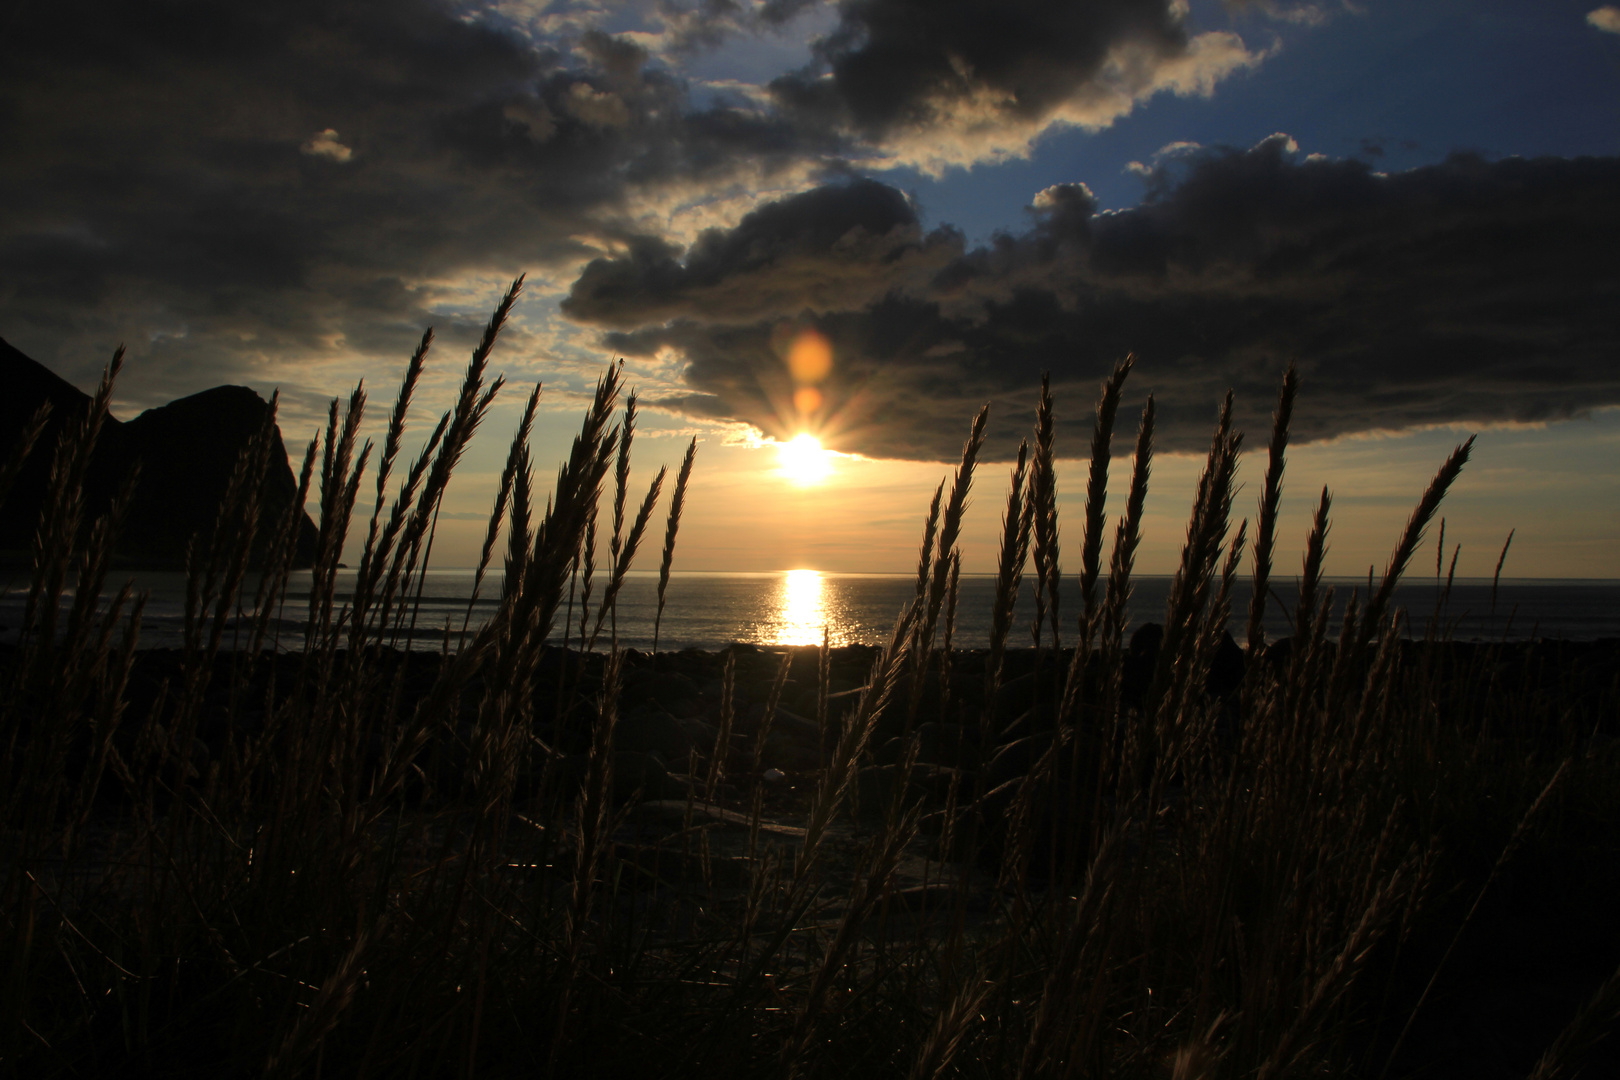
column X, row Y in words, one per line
column 1606, row 18
column 326, row 144
column 1298, row 12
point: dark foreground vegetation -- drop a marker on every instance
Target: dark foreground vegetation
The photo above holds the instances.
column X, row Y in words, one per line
column 1096, row 848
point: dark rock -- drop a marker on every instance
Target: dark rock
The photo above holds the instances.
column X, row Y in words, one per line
column 644, row 775
column 1142, row 656
column 1226, row 668
column 1014, row 760
column 28, row 384
column 875, row 784
column 186, row 451
column 874, row 789
column 791, row 694
column 1016, row 695
column 702, row 733
column 938, row 744
column 635, row 776
column 798, row 726
column 650, row 729
column 789, row 751
column 647, row 867
column 1278, row 655
column 675, row 691
column 1137, row 667
column 575, row 729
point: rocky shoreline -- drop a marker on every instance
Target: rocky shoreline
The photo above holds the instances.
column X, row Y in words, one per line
column 718, row 754
column 672, row 706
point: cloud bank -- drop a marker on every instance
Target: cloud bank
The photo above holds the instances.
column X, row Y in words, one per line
column 1466, row 292
column 231, row 187
column 247, row 192
column 237, row 189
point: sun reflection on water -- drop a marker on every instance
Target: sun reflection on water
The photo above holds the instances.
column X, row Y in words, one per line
column 806, row 604
column 803, row 608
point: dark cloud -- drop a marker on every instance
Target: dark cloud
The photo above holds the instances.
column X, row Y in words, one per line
column 897, row 62
column 1470, row 291
column 827, row 249
column 707, row 24
column 943, row 82
column 780, row 12
column 239, row 189
column 231, row 186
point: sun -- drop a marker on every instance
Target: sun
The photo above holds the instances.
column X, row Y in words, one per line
column 803, row 461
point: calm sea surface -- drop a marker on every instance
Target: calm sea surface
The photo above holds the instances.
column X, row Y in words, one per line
column 712, row 610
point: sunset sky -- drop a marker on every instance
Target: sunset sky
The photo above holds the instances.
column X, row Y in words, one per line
column 861, row 221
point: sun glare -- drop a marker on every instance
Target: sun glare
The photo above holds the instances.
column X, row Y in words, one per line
column 803, row 611
column 803, row 461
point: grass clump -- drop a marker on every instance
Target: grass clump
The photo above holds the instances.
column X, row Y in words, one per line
column 1103, row 855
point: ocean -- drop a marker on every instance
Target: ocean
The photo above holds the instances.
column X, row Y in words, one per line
column 712, row 610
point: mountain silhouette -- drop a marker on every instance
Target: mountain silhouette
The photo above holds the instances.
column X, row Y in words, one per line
column 186, row 450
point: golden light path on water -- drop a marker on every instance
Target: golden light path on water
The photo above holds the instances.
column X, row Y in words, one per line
column 807, row 605
column 802, row 615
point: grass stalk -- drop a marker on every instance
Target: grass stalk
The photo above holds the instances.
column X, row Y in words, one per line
column 677, row 503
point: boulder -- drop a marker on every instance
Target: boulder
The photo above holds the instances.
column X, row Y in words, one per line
column 674, row 691
column 1014, row 760
column 650, row 729
column 789, row 752
column 874, row 786
column 636, row 775
column 798, row 726
column 939, row 744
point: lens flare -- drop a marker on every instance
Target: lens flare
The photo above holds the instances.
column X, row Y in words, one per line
column 807, row 400
column 803, row 461
column 810, row 358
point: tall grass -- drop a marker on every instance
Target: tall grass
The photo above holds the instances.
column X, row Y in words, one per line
column 351, row 860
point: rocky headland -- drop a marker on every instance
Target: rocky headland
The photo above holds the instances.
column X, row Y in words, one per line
column 185, row 450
